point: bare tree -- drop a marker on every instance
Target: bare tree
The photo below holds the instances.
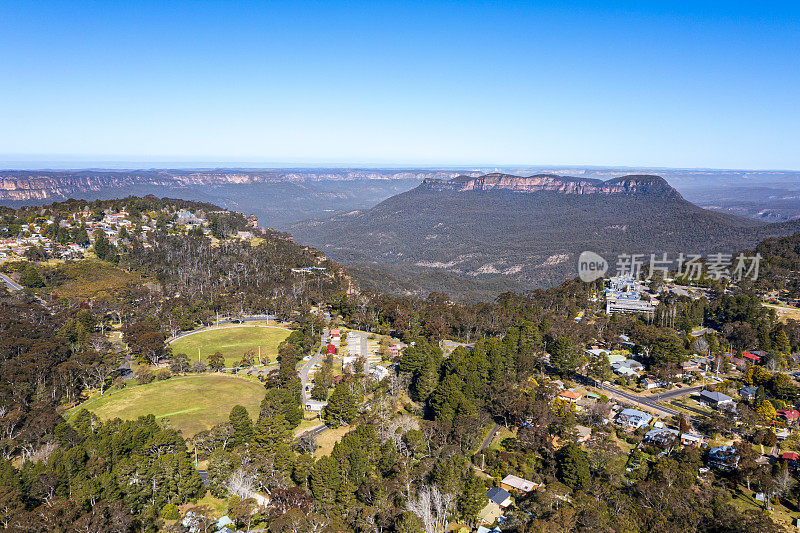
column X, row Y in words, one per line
column 307, row 442
column 241, row 483
column 432, row 507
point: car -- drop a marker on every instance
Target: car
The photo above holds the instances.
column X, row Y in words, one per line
column 307, row 358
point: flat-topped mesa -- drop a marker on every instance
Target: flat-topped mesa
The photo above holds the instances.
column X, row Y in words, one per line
column 635, row 184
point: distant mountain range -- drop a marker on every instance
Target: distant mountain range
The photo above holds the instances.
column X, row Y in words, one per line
column 279, row 197
column 528, row 230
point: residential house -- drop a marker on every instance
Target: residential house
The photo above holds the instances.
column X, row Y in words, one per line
column 716, row 399
column 628, row 367
column 690, row 439
column 789, row 415
column 314, row 406
column 512, row 482
column 570, row 396
column 661, row 437
column 792, row 460
column 632, row 419
column 690, row 366
column 379, row 372
column 748, row 393
column 651, row 383
column 499, row 496
column 753, row 358
column 723, row 457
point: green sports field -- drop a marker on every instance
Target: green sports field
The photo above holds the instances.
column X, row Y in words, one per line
column 232, row 342
column 189, row 403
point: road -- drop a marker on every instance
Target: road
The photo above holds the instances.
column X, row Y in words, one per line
column 13, row 286
column 488, row 440
column 316, row 358
column 642, row 401
column 675, row 393
column 10, row 283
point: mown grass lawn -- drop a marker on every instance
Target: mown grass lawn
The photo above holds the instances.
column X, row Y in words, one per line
column 188, row 403
column 232, row 342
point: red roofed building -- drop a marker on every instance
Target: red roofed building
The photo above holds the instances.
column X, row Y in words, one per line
column 790, row 415
column 570, row 396
column 335, row 333
column 791, row 459
column 331, row 350
column 751, row 356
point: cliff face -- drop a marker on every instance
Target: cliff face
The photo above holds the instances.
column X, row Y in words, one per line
column 55, row 185
column 635, row 184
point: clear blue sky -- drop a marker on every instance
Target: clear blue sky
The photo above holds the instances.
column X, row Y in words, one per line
column 687, row 84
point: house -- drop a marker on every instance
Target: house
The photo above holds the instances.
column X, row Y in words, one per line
column 379, row 372
column 753, row 358
column 499, row 496
column 690, row 366
column 661, row 437
column 627, row 367
column 616, row 358
column 723, row 457
column 512, row 482
column 570, row 396
column 330, row 350
column 335, row 334
column 633, row 419
column 748, row 393
column 716, row 399
column 314, row 406
column 651, row 383
column 791, row 459
column 790, row 415
column 690, row 439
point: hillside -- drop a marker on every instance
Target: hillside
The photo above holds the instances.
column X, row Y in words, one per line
column 529, row 229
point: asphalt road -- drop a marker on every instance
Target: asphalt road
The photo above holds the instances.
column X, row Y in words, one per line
column 10, row 283
column 316, row 358
column 675, row 393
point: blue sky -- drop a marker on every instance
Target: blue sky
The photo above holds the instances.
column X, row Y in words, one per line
column 694, row 84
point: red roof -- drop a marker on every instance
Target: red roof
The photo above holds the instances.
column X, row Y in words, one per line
column 751, row 356
column 331, row 349
column 788, row 414
column 790, row 456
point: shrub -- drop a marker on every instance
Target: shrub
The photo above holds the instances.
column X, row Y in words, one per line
column 170, row 512
column 144, row 375
column 163, row 373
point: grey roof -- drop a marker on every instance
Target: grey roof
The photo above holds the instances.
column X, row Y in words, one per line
column 635, row 413
column 716, row 397
column 497, row 495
